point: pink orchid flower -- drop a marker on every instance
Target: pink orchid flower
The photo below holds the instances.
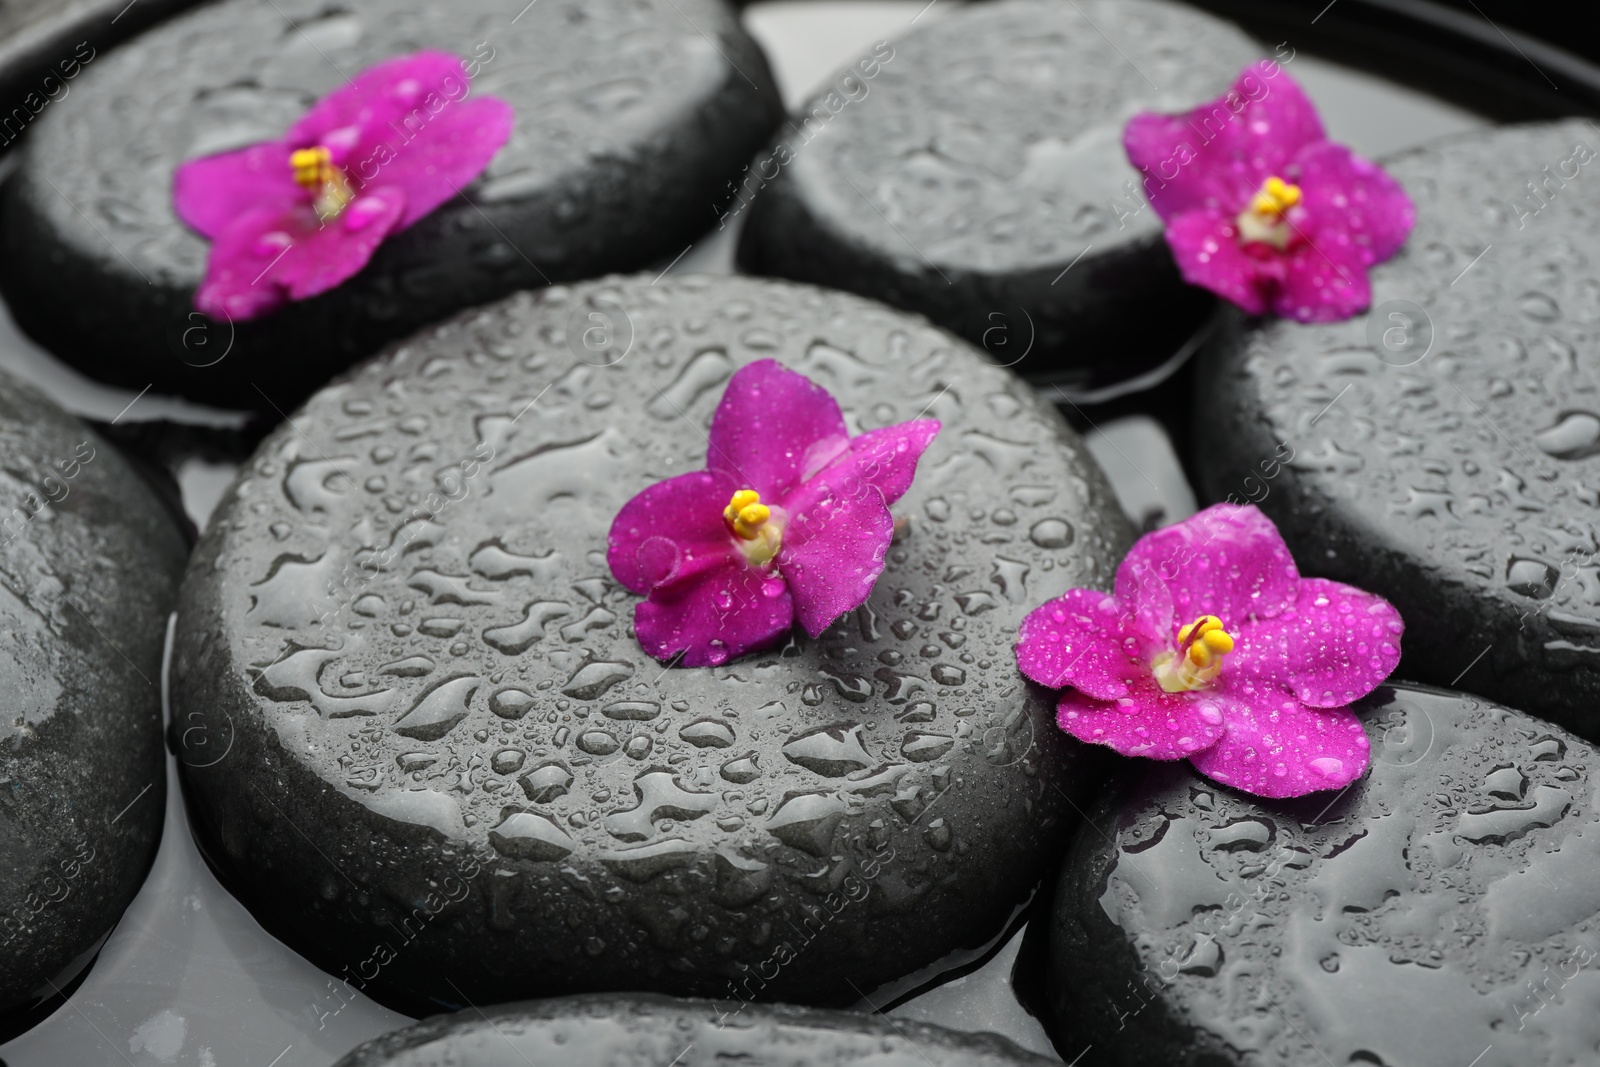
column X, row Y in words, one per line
column 1261, row 208
column 1214, row 649
column 292, row 218
column 789, row 519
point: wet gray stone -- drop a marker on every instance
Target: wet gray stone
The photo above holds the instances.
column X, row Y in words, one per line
column 44, row 46
column 1440, row 449
column 89, row 569
column 802, row 824
column 639, row 1030
column 629, row 124
column 980, row 160
column 1455, row 885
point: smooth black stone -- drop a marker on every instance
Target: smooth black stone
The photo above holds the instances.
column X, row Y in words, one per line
column 1443, row 910
column 45, row 45
column 89, row 570
column 640, row 1030
column 640, row 827
column 1441, row 449
column 984, row 158
column 629, row 125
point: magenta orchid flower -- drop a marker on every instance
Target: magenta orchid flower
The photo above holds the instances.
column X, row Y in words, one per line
column 292, row 218
column 1261, row 208
column 1213, row 648
column 789, row 519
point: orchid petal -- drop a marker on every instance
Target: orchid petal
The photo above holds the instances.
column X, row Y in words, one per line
column 1215, row 157
column 210, row 193
column 1344, row 191
column 834, row 544
column 266, row 257
column 1148, row 723
column 1274, row 746
column 724, row 612
column 774, row 428
column 1079, row 639
column 1148, row 602
column 1205, row 245
column 1229, row 561
column 1324, row 280
column 887, row 458
column 441, row 158
column 671, row 532
column 1337, row 644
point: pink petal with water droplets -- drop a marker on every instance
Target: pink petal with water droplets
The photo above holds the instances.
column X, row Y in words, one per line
column 1227, row 560
column 1144, row 596
column 1336, row 645
column 835, row 539
column 1205, row 245
column 1344, row 191
column 723, row 613
column 774, row 427
column 442, row 158
column 672, row 531
column 1216, row 157
column 1148, row 722
column 1324, row 279
column 211, row 193
column 409, row 123
column 1274, row 746
column 887, row 458
column 1081, row 639
column 247, row 273
column 383, row 93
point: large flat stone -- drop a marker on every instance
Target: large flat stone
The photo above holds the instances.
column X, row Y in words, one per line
column 455, row 776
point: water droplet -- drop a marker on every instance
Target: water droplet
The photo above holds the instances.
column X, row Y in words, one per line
column 707, row 733
column 1051, row 533
column 546, row 782
column 832, row 751
column 1576, row 435
column 507, row 761
column 598, row 742
column 1531, row 578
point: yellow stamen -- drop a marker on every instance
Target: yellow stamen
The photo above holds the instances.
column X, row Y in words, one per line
column 1202, row 644
column 1265, row 219
column 1275, row 197
column 752, row 523
column 311, row 167
column 315, row 171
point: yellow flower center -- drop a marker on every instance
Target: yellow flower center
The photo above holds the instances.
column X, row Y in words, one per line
column 315, row 171
column 1201, row 647
column 752, row 523
column 1266, row 220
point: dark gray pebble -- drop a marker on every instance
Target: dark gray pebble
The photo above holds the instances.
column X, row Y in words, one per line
column 454, row 775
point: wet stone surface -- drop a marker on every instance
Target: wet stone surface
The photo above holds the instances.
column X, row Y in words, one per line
column 44, row 46
column 960, row 171
column 646, row 1031
column 1454, row 884
column 444, row 740
column 89, row 569
column 1444, row 449
column 629, row 123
